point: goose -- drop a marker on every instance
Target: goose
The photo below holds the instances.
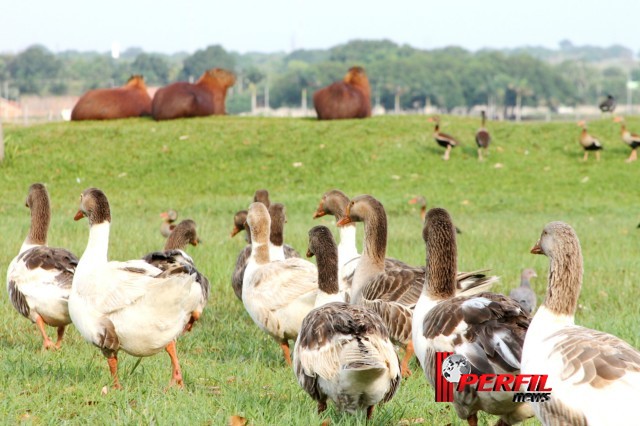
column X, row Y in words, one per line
column 483, row 137
column 132, row 305
column 262, row 196
column 629, row 138
column 168, row 219
column 343, row 352
column 276, row 245
column 525, row 294
column 608, row 105
column 594, row 376
column 443, row 139
column 589, row 142
column 39, row 277
column 487, row 329
column 173, row 254
column 277, row 295
column 392, row 292
column 422, row 202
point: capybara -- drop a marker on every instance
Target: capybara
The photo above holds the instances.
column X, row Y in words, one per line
column 349, row 98
column 204, row 97
column 130, row 100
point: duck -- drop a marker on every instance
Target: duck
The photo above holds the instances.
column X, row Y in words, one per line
column 173, row 254
column 131, row 306
column 483, row 137
column 392, row 292
column 594, row 376
column 343, row 352
column 589, row 142
column 276, row 245
column 168, row 219
column 422, row 202
column 525, row 294
column 488, row 329
column 39, row 277
column 444, row 140
column 631, row 139
column 277, row 295
column 608, row 105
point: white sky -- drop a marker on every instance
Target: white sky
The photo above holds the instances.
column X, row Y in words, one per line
column 280, row 25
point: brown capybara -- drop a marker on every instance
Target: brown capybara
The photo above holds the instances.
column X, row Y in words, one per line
column 130, row 100
column 349, row 98
column 204, row 97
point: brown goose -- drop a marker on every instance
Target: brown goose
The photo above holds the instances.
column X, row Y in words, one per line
column 595, row 376
column 525, row 294
column 173, row 255
column 629, row 138
column 391, row 292
column 39, row 277
column 487, row 329
column 343, row 352
column 589, row 142
column 277, row 295
column 168, row 219
column 443, row 139
column 276, row 246
column 483, row 137
column 262, row 196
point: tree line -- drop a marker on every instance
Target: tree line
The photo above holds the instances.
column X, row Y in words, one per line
column 401, row 76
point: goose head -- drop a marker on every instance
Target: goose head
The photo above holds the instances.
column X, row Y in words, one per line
column 527, row 274
column 239, row 223
column 184, row 233
column 169, row 216
column 439, row 235
column 94, row 206
column 360, row 209
column 278, row 219
column 262, row 196
column 333, row 202
column 323, row 246
column 559, row 242
column 259, row 223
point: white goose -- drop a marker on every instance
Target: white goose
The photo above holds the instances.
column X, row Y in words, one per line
column 595, row 376
column 173, row 254
column 277, row 295
column 487, row 329
column 39, row 277
column 131, row 305
column 343, row 352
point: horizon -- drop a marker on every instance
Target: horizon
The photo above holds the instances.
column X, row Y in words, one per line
column 288, row 25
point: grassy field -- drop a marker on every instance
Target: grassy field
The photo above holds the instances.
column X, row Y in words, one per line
column 208, row 168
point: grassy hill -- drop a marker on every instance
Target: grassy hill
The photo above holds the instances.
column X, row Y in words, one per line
column 209, row 168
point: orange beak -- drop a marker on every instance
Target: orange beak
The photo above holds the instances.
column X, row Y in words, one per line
column 309, row 253
column 414, row 200
column 235, row 231
column 164, row 215
column 78, row 215
column 344, row 221
column 320, row 211
column 195, row 242
column 537, row 249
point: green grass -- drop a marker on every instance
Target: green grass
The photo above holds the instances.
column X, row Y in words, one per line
column 208, row 168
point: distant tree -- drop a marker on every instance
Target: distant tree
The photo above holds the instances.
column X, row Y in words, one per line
column 211, row 57
column 153, row 67
column 33, row 68
column 253, row 76
column 131, row 53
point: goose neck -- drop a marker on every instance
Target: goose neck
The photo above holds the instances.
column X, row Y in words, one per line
column 260, row 252
column 40, row 219
column 375, row 240
column 565, row 282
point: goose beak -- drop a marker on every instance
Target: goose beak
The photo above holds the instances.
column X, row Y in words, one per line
column 414, row 200
column 235, row 231
column 164, row 215
column 344, row 221
column 78, row 215
column 309, row 253
column 195, row 242
column 537, row 249
column 320, row 211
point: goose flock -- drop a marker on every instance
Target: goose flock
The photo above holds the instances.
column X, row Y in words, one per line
column 348, row 314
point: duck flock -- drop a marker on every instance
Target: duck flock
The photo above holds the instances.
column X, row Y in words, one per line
column 349, row 314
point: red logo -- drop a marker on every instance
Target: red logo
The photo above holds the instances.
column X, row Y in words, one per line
column 455, row 370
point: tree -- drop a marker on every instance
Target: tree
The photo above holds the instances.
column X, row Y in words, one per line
column 154, row 68
column 211, row 57
column 254, row 76
column 33, row 69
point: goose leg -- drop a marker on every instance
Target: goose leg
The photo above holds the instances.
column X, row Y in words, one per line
column 404, row 366
column 480, row 154
column 473, row 420
column 633, row 156
column 113, row 369
column 585, row 157
column 370, row 412
column 195, row 316
column 176, row 373
column 446, row 153
column 286, row 352
column 47, row 343
column 60, row 335
column 322, row 405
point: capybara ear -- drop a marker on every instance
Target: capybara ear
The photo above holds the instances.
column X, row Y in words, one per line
column 349, row 98
column 205, row 97
column 130, row 100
